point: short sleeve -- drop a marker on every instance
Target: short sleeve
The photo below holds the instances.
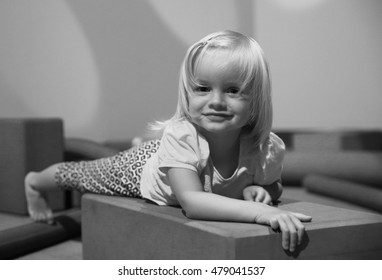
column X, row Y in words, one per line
column 182, row 146
column 272, row 158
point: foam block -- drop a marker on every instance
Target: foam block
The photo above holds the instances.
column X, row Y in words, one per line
column 21, row 240
column 360, row 167
column 329, row 141
column 86, row 149
column 27, row 145
column 126, row 228
column 359, row 194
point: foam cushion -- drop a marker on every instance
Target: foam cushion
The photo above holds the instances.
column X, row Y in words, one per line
column 361, row 167
column 86, row 149
column 126, row 228
column 27, row 145
column 324, row 141
column 21, row 240
column 356, row 193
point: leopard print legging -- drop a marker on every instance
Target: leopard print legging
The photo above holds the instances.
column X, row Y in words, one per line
column 119, row 175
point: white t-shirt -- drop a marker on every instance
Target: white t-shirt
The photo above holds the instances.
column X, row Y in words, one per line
column 183, row 146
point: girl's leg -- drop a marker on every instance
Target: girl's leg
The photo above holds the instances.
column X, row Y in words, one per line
column 36, row 184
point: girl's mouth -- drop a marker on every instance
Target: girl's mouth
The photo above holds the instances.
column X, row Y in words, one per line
column 218, row 116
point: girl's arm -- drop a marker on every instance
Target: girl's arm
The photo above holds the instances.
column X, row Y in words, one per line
column 198, row 204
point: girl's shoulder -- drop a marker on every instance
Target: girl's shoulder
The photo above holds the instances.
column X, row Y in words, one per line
column 185, row 133
column 271, row 160
column 181, row 128
column 276, row 143
column 273, row 148
column 181, row 123
column 182, row 143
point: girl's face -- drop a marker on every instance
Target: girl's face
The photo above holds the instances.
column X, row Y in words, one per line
column 217, row 106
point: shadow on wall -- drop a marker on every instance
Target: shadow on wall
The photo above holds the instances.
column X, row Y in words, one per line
column 138, row 56
column 134, row 58
column 106, row 67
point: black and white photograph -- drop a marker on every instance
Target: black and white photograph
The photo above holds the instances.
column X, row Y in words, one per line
column 203, row 139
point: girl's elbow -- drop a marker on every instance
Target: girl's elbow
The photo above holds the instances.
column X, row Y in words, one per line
column 190, row 210
column 190, row 215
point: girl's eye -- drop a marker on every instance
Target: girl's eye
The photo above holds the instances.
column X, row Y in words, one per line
column 233, row 91
column 202, row 89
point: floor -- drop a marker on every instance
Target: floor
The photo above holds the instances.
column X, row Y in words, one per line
column 72, row 249
column 68, row 250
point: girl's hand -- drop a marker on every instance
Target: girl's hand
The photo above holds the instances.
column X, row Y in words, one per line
column 257, row 194
column 289, row 223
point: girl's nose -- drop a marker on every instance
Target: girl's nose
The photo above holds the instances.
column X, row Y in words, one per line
column 217, row 100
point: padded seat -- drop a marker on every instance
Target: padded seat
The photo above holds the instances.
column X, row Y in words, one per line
column 127, row 228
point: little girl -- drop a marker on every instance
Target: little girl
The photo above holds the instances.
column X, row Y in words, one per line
column 216, row 157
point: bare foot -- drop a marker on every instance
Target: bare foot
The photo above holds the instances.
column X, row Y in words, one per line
column 38, row 208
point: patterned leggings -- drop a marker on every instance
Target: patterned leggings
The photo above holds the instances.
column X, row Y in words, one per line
column 119, row 175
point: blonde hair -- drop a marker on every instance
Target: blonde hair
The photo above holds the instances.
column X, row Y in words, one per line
column 246, row 53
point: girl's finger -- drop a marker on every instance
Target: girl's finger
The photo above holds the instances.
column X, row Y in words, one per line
column 302, row 217
column 259, row 196
column 285, row 236
column 274, row 223
column 293, row 234
column 247, row 195
column 300, row 228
